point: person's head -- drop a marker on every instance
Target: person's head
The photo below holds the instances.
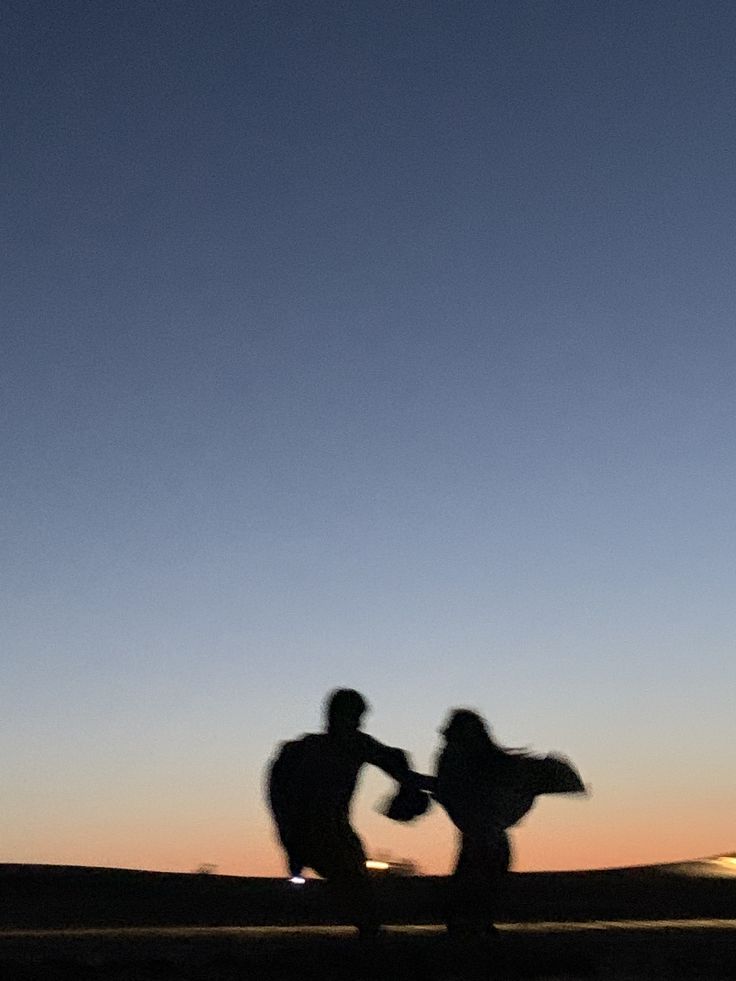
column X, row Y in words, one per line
column 466, row 728
column 344, row 710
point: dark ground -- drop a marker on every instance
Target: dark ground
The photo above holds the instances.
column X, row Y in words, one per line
column 614, row 952
column 54, row 897
column 59, row 924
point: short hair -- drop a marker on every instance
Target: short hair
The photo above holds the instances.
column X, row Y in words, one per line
column 342, row 704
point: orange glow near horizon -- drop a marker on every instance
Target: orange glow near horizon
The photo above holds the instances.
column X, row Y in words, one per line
column 433, row 856
column 603, row 831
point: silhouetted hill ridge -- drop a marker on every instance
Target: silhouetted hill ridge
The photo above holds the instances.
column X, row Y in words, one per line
column 51, row 896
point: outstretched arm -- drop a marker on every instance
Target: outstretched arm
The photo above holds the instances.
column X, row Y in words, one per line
column 395, row 762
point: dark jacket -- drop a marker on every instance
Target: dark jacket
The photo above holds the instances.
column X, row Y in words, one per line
column 312, row 780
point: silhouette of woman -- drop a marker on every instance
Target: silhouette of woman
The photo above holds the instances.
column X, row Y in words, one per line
column 478, row 785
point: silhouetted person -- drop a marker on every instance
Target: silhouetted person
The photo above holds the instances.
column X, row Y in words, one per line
column 311, row 783
column 486, row 789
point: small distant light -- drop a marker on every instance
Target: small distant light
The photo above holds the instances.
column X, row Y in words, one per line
column 297, row 880
column 377, row 866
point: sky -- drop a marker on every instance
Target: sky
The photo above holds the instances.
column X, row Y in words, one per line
column 377, row 345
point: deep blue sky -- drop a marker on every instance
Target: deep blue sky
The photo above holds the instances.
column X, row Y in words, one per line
column 382, row 344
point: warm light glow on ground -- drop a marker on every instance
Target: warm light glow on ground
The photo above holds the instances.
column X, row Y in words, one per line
column 722, row 866
column 727, row 863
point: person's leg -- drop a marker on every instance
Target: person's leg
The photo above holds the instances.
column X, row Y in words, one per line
column 341, row 861
column 474, row 886
column 457, row 888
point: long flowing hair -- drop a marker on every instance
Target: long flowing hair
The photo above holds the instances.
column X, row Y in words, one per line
column 468, row 731
column 475, row 776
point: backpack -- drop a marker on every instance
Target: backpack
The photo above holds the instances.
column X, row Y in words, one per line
column 289, row 777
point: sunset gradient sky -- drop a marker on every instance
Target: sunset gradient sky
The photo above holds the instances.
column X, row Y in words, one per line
column 388, row 345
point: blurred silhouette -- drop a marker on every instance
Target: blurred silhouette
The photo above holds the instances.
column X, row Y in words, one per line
column 411, row 801
column 311, row 782
column 486, row 789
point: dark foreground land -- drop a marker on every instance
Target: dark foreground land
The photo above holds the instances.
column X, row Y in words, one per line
column 617, row 952
column 674, row 922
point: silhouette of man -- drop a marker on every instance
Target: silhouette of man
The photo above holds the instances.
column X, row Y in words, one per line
column 311, row 783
